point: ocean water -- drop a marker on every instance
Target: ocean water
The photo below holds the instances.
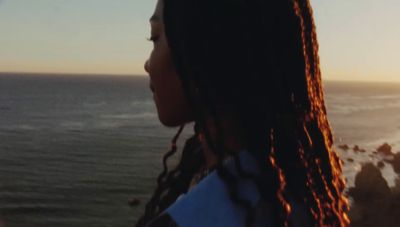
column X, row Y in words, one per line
column 74, row 150
column 364, row 114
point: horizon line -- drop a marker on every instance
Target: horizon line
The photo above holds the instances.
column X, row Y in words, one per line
column 70, row 73
column 142, row 75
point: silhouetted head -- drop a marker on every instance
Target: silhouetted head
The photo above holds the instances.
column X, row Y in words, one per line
column 167, row 89
column 255, row 61
column 236, row 57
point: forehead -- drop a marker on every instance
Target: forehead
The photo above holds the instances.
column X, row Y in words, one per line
column 158, row 12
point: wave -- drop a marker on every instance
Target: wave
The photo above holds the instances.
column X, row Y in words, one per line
column 94, row 104
column 395, row 97
column 147, row 102
column 145, row 115
column 11, row 209
column 348, row 98
column 351, row 108
column 21, row 127
column 393, row 140
column 352, row 168
column 5, row 108
column 72, row 125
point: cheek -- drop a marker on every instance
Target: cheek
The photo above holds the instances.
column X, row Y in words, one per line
column 162, row 74
column 159, row 65
column 172, row 106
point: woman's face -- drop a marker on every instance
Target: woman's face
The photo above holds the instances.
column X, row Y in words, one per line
column 172, row 107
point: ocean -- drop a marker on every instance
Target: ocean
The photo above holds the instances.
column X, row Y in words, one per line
column 75, row 149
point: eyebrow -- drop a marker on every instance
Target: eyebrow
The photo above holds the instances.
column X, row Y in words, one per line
column 154, row 18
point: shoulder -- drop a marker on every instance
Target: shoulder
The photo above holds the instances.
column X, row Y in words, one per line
column 164, row 220
column 209, row 204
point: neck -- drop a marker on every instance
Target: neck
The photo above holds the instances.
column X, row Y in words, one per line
column 231, row 140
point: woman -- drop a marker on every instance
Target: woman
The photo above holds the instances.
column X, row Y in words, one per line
column 246, row 72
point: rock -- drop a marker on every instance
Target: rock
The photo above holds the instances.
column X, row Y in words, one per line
column 383, row 213
column 350, row 160
column 396, row 188
column 375, row 204
column 356, row 148
column 380, row 164
column 134, row 202
column 344, row 147
column 369, row 184
column 385, row 149
column 396, row 163
column 388, row 160
column 362, row 150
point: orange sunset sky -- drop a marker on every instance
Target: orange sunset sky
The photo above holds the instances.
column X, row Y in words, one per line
column 359, row 39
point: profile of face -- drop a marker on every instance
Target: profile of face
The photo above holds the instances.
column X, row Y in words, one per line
column 172, row 106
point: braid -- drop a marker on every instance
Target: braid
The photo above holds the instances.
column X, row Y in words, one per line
column 327, row 165
column 284, row 125
column 175, row 182
column 230, row 180
column 169, row 154
column 282, row 203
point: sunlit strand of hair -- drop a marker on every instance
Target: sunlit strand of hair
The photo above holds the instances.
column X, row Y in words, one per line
column 335, row 209
column 317, row 105
column 282, row 181
column 310, row 181
column 298, row 13
column 342, row 205
column 338, row 184
column 317, row 215
column 327, row 204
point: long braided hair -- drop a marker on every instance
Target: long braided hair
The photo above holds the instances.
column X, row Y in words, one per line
column 257, row 60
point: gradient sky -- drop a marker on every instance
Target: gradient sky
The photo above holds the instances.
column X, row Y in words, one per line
column 359, row 39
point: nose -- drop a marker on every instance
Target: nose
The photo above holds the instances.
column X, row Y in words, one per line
column 146, row 66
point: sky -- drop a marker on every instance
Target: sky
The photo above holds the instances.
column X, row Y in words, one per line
column 359, row 39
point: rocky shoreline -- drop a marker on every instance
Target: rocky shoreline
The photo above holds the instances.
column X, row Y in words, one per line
column 374, row 203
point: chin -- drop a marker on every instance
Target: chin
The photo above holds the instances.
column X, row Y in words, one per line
column 173, row 121
column 168, row 122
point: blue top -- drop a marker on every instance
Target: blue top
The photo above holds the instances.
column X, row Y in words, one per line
column 208, row 204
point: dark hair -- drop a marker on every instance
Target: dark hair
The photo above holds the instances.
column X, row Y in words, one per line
column 258, row 60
